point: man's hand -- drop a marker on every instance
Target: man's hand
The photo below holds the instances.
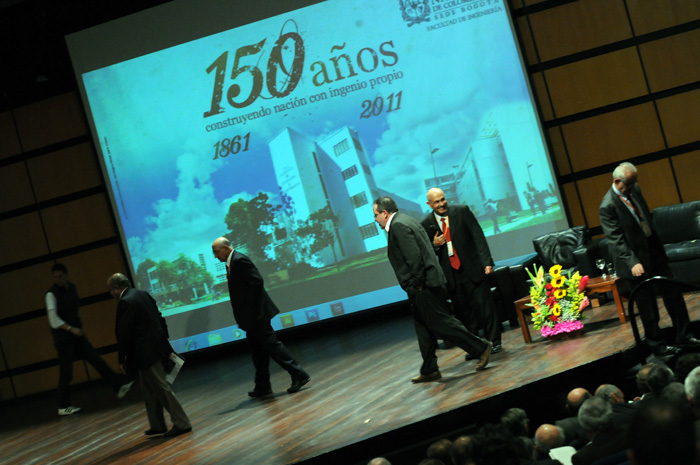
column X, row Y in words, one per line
column 439, row 239
column 637, row 270
column 488, row 269
column 122, row 367
column 76, row 331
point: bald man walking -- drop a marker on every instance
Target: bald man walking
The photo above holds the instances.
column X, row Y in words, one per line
column 253, row 309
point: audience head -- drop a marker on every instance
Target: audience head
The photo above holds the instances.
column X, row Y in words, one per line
column 440, row 449
column 692, row 387
column 516, row 421
column 661, row 434
column 548, row 437
column 659, row 377
column 611, row 393
column 462, row 451
column 379, row 461
column 641, row 378
column 576, row 398
column 496, row 446
column 675, row 394
column 685, row 365
column 595, row 414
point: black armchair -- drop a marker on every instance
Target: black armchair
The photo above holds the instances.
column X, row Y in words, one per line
column 678, row 228
column 571, row 248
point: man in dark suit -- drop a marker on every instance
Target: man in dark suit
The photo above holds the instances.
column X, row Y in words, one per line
column 466, row 260
column 253, row 309
column 142, row 339
column 637, row 254
column 418, row 272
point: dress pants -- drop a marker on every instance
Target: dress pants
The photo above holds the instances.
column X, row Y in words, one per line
column 433, row 319
column 71, row 348
column 264, row 346
column 474, row 306
column 649, row 310
column 157, row 395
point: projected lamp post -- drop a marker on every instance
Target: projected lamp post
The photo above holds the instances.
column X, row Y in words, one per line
column 529, row 176
column 432, row 160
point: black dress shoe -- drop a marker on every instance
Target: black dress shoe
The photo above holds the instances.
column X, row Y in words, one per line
column 298, row 384
column 496, row 348
column 153, row 432
column 177, row 432
column 260, row 392
column 663, row 351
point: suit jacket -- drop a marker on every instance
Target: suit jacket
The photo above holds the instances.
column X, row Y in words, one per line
column 468, row 241
column 251, row 304
column 412, row 256
column 606, row 442
column 142, row 336
column 628, row 244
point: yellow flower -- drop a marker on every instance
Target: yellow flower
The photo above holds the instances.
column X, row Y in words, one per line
column 555, row 271
column 559, row 294
column 556, row 310
column 558, row 281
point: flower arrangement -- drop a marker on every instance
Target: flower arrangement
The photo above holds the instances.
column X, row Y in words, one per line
column 558, row 301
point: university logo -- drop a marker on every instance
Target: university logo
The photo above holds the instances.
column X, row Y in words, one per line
column 414, row 11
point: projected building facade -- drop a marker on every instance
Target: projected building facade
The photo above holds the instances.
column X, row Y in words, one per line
column 333, row 172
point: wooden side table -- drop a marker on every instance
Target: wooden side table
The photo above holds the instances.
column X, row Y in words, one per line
column 595, row 286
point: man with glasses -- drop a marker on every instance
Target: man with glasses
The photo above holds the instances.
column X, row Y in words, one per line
column 637, row 254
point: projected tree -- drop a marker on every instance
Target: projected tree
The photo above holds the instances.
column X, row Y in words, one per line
column 320, row 231
column 247, row 221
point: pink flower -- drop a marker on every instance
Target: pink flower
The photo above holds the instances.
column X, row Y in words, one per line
column 584, row 304
column 583, row 283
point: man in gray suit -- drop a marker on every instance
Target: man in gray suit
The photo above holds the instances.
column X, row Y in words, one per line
column 637, row 254
column 418, row 271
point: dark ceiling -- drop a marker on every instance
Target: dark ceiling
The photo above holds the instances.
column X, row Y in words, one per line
column 34, row 60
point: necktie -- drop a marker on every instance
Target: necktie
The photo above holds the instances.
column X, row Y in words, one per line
column 454, row 259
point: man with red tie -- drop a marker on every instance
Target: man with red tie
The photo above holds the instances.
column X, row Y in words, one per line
column 465, row 258
column 637, row 254
column 253, row 309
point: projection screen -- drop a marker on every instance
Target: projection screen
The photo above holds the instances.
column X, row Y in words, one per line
column 277, row 125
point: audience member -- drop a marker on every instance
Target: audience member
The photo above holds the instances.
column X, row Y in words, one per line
column 658, row 378
column 685, row 365
column 573, row 432
column 692, row 390
column 597, row 418
column 675, row 394
column 516, row 421
column 661, row 434
column 622, row 410
column 641, row 380
column 548, row 437
column 462, row 451
column 440, row 450
column 379, row 461
column 496, row 446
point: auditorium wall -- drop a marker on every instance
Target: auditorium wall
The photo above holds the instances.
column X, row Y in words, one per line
column 614, row 80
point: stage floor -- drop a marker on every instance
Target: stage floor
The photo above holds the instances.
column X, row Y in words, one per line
column 360, row 392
